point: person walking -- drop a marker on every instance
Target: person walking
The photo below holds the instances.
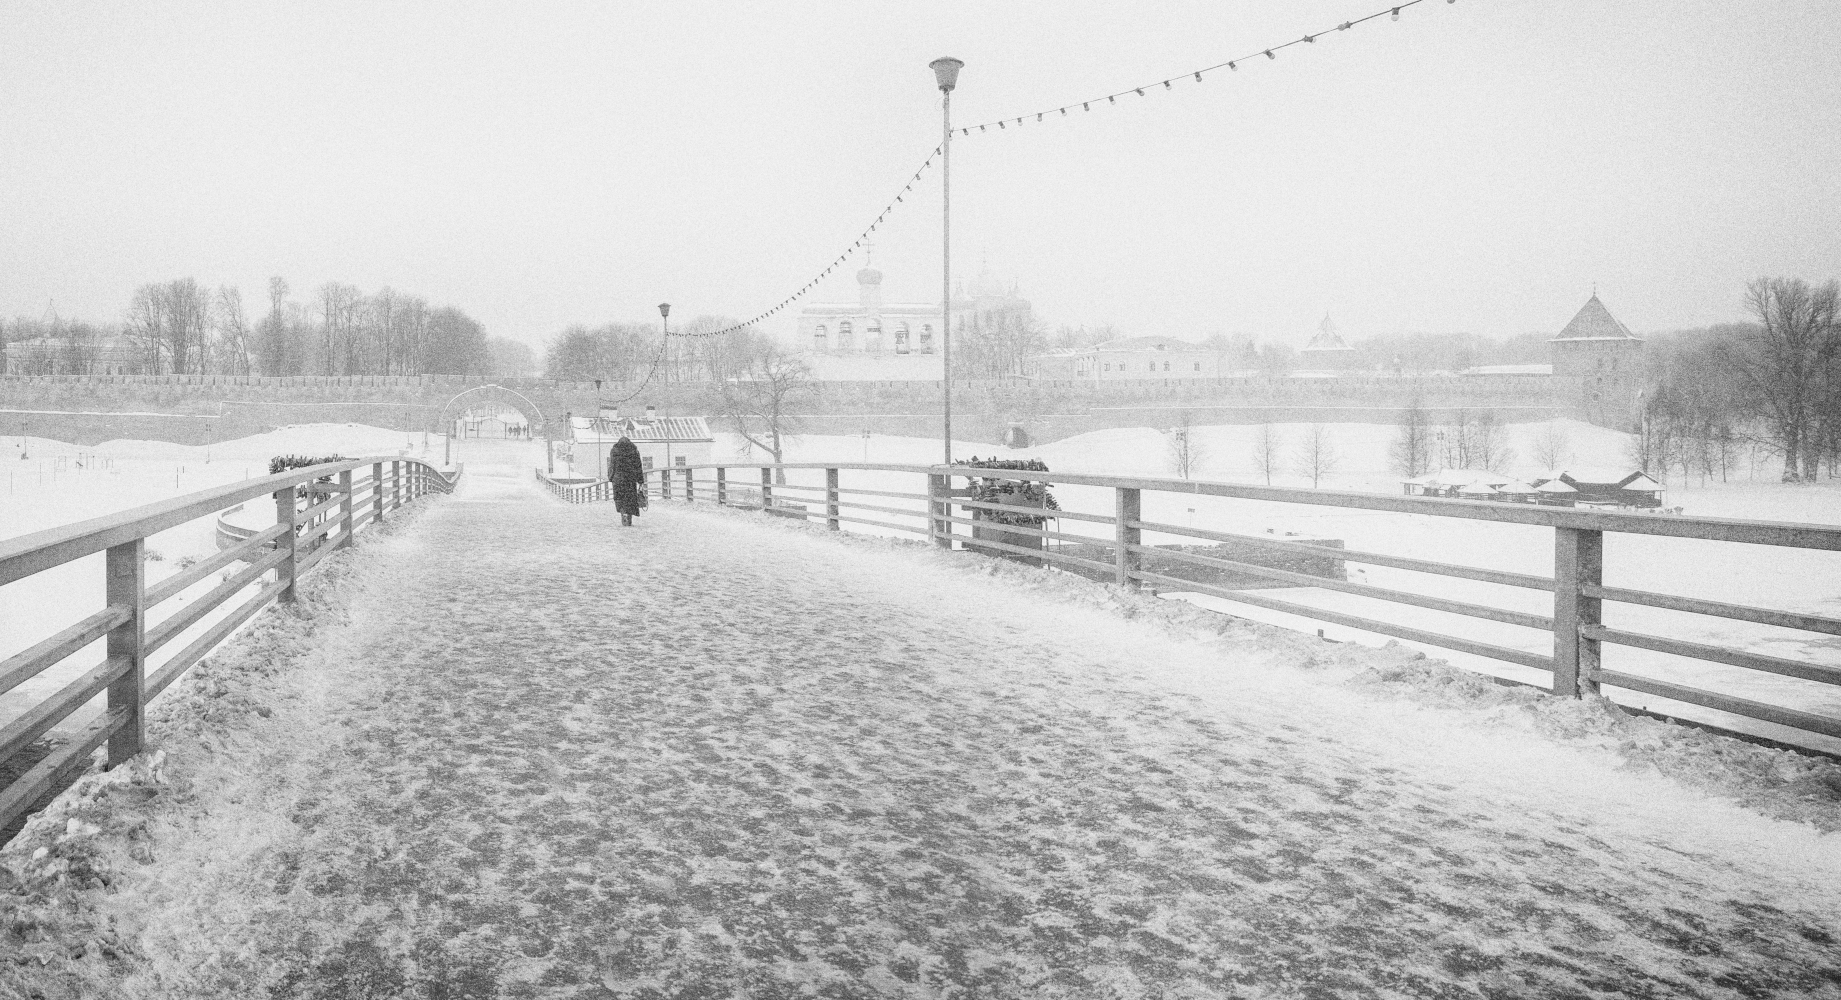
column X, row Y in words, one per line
column 629, row 477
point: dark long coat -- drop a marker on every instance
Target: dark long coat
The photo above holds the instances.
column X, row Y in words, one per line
column 629, row 477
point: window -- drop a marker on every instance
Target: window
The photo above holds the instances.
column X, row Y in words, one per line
column 872, row 338
column 845, row 341
column 1109, row 366
column 901, row 338
column 645, row 462
column 1166, row 364
column 926, row 344
column 1198, row 366
column 683, row 460
column 818, row 338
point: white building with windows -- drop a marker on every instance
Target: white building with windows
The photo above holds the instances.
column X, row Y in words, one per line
column 871, row 339
column 1132, row 358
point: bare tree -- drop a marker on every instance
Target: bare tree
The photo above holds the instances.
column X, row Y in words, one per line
column 1788, row 367
column 232, row 332
column 1552, row 446
column 339, row 350
column 997, row 343
column 511, row 358
column 1266, row 450
column 1317, row 454
column 1488, row 442
column 757, row 394
column 1186, row 453
column 1411, row 451
column 147, row 325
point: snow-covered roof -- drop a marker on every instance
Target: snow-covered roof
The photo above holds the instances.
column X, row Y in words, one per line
column 1594, row 322
column 1148, row 344
column 1464, row 477
column 1516, row 487
column 1597, row 475
column 1642, row 482
column 657, row 430
column 1509, row 370
column 1554, row 486
column 1473, row 489
column 1327, row 339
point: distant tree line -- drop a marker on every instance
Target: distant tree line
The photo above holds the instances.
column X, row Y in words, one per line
column 182, row 327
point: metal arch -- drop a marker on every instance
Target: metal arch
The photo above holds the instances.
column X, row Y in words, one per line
column 441, row 419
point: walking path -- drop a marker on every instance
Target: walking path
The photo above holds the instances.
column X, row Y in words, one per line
column 714, row 756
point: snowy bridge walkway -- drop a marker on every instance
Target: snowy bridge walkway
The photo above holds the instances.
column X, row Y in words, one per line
column 715, row 756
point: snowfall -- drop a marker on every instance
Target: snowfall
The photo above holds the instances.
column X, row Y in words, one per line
column 505, row 747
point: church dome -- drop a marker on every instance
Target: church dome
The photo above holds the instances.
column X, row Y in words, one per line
column 869, row 276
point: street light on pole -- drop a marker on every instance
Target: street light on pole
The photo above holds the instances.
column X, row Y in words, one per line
column 946, row 74
column 664, row 317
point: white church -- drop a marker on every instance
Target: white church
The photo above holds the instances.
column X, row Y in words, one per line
column 870, row 339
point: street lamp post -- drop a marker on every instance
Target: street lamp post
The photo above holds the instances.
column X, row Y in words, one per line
column 664, row 318
column 946, row 74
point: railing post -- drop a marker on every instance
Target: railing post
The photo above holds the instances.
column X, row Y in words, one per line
column 284, row 514
column 690, row 486
column 939, row 507
column 664, row 482
column 1578, row 561
column 396, row 485
column 766, row 488
column 831, row 498
column 345, row 509
column 377, row 491
column 125, row 587
column 722, row 487
column 1126, row 559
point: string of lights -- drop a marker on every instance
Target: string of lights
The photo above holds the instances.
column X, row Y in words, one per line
column 836, row 262
column 1193, row 76
column 1190, row 76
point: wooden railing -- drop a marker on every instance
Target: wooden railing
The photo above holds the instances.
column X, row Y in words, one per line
column 319, row 508
column 1575, row 622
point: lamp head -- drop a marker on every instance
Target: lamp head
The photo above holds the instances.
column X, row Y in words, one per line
column 664, row 309
column 946, row 72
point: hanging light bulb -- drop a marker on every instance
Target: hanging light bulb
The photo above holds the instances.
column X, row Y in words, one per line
column 1344, row 26
column 1269, row 54
column 1140, row 91
column 1396, row 16
column 1166, row 85
column 1232, row 66
column 1310, row 38
column 1198, row 76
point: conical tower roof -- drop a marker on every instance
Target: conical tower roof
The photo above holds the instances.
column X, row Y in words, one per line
column 1595, row 322
column 1327, row 339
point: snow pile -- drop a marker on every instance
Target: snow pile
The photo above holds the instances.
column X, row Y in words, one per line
column 59, row 924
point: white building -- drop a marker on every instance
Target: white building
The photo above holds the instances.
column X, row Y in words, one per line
column 1131, row 358
column 870, row 339
column 662, row 441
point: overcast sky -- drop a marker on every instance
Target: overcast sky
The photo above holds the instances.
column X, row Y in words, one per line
column 1475, row 166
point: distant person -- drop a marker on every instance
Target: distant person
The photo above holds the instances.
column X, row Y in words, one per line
column 628, row 474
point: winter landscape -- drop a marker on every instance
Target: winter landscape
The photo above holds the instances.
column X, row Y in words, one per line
column 1307, row 503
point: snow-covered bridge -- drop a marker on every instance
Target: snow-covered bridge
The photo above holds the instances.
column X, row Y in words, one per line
column 508, row 748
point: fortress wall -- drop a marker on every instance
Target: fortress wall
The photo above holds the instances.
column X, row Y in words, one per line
column 194, row 409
